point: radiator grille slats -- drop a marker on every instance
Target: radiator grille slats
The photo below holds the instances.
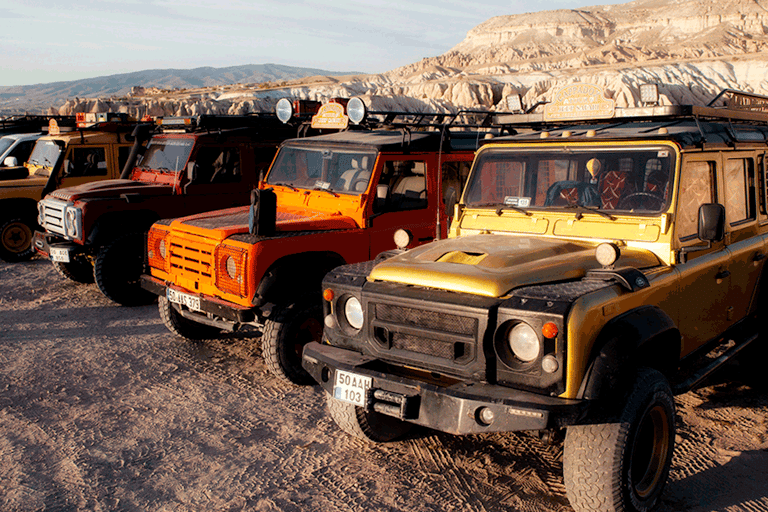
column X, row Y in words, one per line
column 193, row 260
column 53, row 215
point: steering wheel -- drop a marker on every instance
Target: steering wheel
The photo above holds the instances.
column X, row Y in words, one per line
column 640, row 199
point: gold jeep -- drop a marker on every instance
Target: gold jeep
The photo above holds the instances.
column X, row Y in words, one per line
column 599, row 262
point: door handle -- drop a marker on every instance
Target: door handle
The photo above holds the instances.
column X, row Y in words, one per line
column 722, row 274
column 759, row 257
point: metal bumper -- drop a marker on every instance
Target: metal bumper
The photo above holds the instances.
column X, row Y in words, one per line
column 212, row 305
column 455, row 409
column 43, row 242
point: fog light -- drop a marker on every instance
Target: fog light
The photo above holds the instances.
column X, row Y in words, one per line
column 330, row 321
column 485, row 416
column 549, row 364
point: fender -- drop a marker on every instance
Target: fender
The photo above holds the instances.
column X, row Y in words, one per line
column 286, row 275
column 645, row 336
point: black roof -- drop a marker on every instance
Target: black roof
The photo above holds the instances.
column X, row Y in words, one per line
column 396, row 140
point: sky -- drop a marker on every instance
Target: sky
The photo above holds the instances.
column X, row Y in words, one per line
column 44, row 41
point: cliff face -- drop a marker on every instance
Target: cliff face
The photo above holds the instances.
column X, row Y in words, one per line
column 692, row 48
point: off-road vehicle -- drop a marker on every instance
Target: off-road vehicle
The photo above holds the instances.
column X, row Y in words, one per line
column 595, row 267
column 326, row 201
column 192, row 164
column 96, row 148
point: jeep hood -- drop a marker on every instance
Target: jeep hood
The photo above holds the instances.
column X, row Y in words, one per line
column 110, row 188
column 221, row 224
column 493, row 265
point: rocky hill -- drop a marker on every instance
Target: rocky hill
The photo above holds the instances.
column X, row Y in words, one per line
column 692, row 48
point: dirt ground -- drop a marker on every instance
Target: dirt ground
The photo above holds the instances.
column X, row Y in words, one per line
column 102, row 409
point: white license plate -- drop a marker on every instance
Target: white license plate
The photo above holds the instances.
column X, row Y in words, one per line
column 184, row 299
column 351, row 388
column 60, row 255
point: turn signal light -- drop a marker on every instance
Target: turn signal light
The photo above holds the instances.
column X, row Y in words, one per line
column 328, row 294
column 549, row 330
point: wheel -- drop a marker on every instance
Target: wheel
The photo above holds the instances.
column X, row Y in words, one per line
column 16, row 239
column 182, row 327
column 640, row 200
column 286, row 332
column 80, row 270
column 371, row 426
column 623, row 464
column 117, row 271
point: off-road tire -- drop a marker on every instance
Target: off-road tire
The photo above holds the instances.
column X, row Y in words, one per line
column 623, row 463
column 286, row 331
column 371, row 426
column 80, row 270
column 181, row 326
column 16, row 236
column 117, row 271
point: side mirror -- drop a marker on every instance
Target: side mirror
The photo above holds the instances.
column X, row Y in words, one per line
column 711, row 222
column 382, row 191
column 10, row 161
column 191, row 171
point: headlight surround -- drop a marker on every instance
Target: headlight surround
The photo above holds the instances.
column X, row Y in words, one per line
column 157, row 248
column 524, row 342
column 353, row 313
column 231, row 264
column 72, row 221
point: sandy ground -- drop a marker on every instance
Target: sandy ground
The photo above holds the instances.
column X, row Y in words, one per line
column 101, row 408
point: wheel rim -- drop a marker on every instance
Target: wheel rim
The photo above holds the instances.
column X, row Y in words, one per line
column 650, row 450
column 17, row 237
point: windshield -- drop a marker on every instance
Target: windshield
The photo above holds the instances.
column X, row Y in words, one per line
column 630, row 178
column 5, row 143
column 45, row 155
column 346, row 171
column 168, row 155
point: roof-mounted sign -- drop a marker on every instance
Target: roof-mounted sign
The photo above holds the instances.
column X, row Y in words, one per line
column 53, row 127
column 330, row 116
column 579, row 101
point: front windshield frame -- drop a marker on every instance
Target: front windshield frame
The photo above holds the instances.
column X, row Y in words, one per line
column 45, row 155
column 168, row 155
column 339, row 169
column 623, row 179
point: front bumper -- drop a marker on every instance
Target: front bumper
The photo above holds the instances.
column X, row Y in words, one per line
column 453, row 408
column 66, row 252
column 215, row 306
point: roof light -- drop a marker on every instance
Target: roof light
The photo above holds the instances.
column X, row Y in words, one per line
column 356, row 110
column 284, row 110
column 515, row 103
column 649, row 94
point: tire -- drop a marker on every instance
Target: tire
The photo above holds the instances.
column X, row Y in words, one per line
column 16, row 239
column 623, row 464
column 182, row 327
column 371, row 426
column 285, row 333
column 117, row 271
column 80, row 270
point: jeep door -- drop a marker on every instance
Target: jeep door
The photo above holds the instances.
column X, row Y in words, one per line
column 407, row 186
column 84, row 164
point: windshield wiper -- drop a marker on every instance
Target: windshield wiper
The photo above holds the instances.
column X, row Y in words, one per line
column 590, row 209
column 501, row 207
column 285, row 185
column 334, row 194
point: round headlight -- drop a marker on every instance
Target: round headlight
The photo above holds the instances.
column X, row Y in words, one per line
column 606, row 254
column 231, row 267
column 353, row 312
column 161, row 246
column 524, row 342
column 403, row 238
column 284, row 110
column 356, row 110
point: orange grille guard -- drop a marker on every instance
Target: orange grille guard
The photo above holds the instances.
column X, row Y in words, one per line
column 232, row 315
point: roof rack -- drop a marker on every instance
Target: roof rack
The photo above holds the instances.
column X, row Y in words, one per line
column 582, row 109
column 213, row 122
column 27, row 123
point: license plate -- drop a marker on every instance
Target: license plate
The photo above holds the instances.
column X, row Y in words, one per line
column 184, row 299
column 351, row 388
column 60, row 255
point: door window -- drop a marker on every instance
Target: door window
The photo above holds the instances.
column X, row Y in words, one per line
column 697, row 187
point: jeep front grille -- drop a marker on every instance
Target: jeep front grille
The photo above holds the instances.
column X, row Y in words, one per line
column 191, row 259
column 51, row 215
column 437, row 334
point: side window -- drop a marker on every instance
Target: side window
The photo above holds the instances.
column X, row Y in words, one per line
column 763, row 168
column 86, row 162
column 407, row 185
column 739, row 190
column 217, row 165
column 123, row 152
column 697, row 187
column 22, row 151
column 454, row 177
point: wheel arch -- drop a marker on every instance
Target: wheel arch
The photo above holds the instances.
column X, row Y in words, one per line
column 111, row 225
column 19, row 206
column 295, row 271
column 643, row 337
